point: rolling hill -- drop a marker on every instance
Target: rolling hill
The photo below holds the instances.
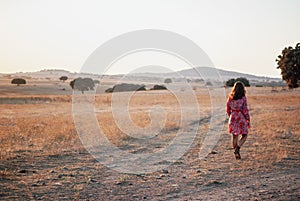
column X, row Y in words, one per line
column 193, row 73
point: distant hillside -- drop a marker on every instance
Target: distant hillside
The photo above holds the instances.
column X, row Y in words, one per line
column 52, row 74
column 206, row 72
column 211, row 73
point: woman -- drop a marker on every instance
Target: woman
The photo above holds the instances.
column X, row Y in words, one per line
column 239, row 118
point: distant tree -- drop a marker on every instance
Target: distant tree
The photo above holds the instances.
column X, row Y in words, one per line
column 82, row 84
column 126, row 87
column 168, row 81
column 199, row 80
column 109, row 90
column 18, row 81
column 63, row 78
column 244, row 80
column 96, row 81
column 231, row 82
column 159, row 87
column 209, row 83
column 289, row 63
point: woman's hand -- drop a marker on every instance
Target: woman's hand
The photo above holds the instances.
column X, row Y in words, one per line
column 248, row 122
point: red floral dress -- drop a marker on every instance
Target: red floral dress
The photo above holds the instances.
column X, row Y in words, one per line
column 239, row 117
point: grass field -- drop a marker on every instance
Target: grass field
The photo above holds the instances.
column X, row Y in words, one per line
column 42, row 157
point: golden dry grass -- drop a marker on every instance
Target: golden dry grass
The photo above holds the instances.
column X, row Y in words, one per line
column 40, row 130
column 49, row 127
column 45, row 128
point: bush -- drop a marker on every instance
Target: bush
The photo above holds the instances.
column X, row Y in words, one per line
column 231, row 82
column 126, row 87
column 244, row 80
column 168, row 80
column 82, row 84
column 109, row 90
column 159, row 87
column 18, row 81
column 209, row 83
column 63, row 78
column 199, row 80
column 96, row 81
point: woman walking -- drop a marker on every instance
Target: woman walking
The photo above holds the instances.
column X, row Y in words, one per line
column 239, row 118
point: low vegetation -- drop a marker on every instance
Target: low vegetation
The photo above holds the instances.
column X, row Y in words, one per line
column 18, row 81
column 168, row 80
column 82, row 84
column 159, row 87
column 231, row 82
column 63, row 78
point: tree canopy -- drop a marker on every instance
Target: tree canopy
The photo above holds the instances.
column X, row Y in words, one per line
column 82, row 84
column 18, row 81
column 168, row 80
column 126, row 87
column 231, row 82
column 63, row 78
column 289, row 64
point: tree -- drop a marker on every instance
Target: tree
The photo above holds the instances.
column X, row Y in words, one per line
column 289, row 63
column 231, row 82
column 199, row 80
column 126, row 87
column 18, row 81
column 63, row 78
column 96, row 81
column 159, row 87
column 209, row 83
column 168, row 80
column 244, row 80
column 82, row 84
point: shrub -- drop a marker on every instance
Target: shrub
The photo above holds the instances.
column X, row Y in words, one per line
column 96, row 81
column 18, row 81
column 82, row 84
column 168, row 81
column 63, row 78
column 126, row 87
column 159, row 87
column 209, row 83
column 231, row 82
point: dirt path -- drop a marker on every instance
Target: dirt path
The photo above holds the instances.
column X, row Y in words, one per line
column 77, row 176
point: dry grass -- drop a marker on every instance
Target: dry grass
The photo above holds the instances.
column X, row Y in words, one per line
column 47, row 129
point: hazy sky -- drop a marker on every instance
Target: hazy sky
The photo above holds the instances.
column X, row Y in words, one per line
column 244, row 36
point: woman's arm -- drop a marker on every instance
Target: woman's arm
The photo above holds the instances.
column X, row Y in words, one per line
column 228, row 108
column 245, row 110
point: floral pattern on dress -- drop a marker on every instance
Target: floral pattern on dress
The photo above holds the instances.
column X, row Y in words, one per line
column 239, row 117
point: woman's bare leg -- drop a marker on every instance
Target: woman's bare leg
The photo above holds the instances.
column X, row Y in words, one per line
column 235, row 139
column 242, row 140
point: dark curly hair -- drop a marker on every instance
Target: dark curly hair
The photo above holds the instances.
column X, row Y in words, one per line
column 238, row 91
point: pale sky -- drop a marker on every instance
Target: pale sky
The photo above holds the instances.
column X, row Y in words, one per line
column 243, row 36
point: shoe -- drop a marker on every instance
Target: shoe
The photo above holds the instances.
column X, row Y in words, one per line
column 237, row 153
